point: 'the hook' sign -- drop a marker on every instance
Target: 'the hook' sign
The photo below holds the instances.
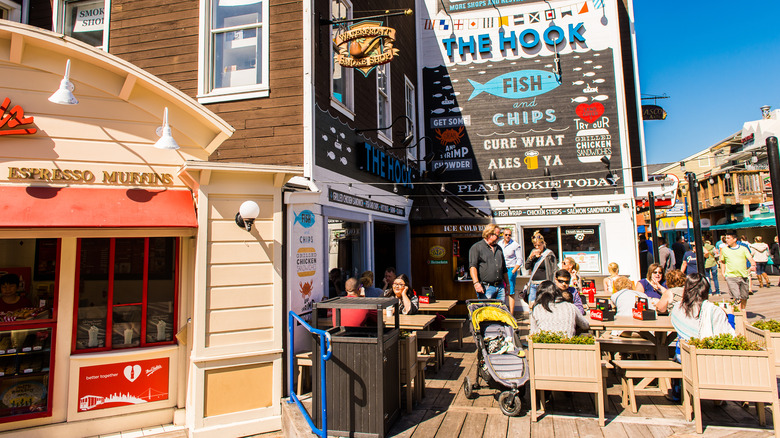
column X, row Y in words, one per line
column 13, row 118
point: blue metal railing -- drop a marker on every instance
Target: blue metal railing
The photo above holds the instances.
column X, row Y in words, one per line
column 325, row 353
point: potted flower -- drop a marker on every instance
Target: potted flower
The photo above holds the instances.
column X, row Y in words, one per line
column 765, row 332
column 559, row 363
column 726, row 367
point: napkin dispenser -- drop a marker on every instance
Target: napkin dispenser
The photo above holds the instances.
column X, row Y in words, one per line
column 427, row 296
column 642, row 310
column 603, row 311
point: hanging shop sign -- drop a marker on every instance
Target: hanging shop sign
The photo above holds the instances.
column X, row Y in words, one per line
column 12, row 121
column 653, row 112
column 123, row 384
column 366, row 45
column 562, row 211
column 368, row 204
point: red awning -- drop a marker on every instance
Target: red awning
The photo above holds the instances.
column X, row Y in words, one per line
column 87, row 207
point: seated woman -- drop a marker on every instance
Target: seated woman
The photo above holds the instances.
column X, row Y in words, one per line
column 625, row 296
column 355, row 317
column 367, row 281
column 654, row 285
column 409, row 304
column 675, row 280
column 695, row 316
column 555, row 315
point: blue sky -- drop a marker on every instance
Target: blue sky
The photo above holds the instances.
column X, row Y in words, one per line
column 717, row 61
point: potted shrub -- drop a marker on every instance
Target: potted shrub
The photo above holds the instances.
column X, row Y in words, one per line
column 558, row 363
column 766, row 332
column 728, row 368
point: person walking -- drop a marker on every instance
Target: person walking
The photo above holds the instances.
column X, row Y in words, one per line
column 542, row 264
column 513, row 258
column 679, row 251
column 775, row 254
column 760, row 252
column 665, row 255
column 644, row 250
column 690, row 263
column 711, row 255
column 734, row 258
column 487, row 265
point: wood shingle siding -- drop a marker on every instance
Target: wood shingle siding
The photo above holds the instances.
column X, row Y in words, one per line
column 161, row 36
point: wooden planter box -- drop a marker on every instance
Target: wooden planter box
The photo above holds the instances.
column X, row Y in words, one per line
column 567, row 367
column 407, row 352
column 767, row 338
column 729, row 375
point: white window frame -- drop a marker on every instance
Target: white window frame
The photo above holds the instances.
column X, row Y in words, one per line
column 207, row 94
column 58, row 19
column 410, row 106
column 348, row 107
column 14, row 10
column 387, row 135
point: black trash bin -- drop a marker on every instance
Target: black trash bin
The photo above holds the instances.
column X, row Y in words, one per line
column 362, row 375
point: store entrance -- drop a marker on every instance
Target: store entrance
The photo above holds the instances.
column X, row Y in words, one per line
column 384, row 250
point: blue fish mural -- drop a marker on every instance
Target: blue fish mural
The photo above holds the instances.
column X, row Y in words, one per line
column 306, row 218
column 517, row 84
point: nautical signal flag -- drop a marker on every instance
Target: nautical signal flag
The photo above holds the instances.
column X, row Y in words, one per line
column 443, row 25
column 457, row 24
column 533, row 17
column 549, row 14
column 473, row 24
column 503, row 21
column 519, row 19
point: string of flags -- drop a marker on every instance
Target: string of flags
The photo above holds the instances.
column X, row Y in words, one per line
column 512, row 20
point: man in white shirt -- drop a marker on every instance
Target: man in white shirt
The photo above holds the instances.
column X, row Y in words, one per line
column 513, row 256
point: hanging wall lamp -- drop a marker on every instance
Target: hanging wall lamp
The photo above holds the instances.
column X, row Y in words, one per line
column 247, row 214
column 406, row 141
column 166, row 140
column 64, row 95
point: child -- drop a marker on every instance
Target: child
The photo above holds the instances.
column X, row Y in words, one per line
column 613, row 269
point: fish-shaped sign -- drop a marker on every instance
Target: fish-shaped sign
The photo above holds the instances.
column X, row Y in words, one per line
column 517, row 84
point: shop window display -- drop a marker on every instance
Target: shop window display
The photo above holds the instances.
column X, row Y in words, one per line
column 127, row 293
column 28, row 279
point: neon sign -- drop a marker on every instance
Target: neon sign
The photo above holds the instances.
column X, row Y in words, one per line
column 13, row 118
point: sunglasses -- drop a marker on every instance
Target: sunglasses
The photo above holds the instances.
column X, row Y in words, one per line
column 562, row 281
column 399, row 284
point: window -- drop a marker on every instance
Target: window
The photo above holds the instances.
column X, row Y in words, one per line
column 410, row 111
column 235, row 39
column 704, row 162
column 10, row 11
column 383, row 111
column 345, row 253
column 581, row 242
column 84, row 20
column 127, row 293
column 342, row 85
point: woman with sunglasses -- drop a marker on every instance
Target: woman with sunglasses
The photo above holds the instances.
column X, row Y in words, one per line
column 401, row 290
column 654, row 285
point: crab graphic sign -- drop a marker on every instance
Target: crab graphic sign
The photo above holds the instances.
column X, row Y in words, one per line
column 366, row 45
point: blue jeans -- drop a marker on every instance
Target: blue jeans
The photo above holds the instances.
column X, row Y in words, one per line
column 492, row 293
column 712, row 274
column 512, row 278
column 532, row 292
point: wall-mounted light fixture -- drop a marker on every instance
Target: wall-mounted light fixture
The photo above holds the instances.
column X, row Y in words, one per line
column 765, row 111
column 64, row 94
column 407, row 140
column 166, row 140
column 247, row 214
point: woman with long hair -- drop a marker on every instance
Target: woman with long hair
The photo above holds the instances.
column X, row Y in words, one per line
column 402, row 290
column 541, row 263
column 554, row 314
column 695, row 316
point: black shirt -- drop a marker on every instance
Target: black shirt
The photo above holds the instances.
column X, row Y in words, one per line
column 490, row 263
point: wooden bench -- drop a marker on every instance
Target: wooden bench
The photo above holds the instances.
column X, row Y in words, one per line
column 419, row 384
column 458, row 325
column 619, row 344
column 303, row 360
column 434, row 341
column 647, row 370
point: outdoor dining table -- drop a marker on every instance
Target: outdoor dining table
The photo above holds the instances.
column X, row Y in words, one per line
column 410, row 322
column 438, row 306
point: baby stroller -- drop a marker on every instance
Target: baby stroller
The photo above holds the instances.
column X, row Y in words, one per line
column 501, row 360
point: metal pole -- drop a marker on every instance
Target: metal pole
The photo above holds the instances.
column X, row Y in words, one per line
column 774, row 177
column 653, row 226
column 687, row 222
column 693, row 187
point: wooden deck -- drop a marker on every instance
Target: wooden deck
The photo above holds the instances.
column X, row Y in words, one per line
column 445, row 412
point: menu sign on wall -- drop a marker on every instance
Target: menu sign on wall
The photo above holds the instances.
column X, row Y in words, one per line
column 524, row 102
column 123, row 384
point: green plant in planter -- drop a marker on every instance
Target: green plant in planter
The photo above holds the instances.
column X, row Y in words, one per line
column 770, row 324
column 725, row 342
column 404, row 334
column 545, row 337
